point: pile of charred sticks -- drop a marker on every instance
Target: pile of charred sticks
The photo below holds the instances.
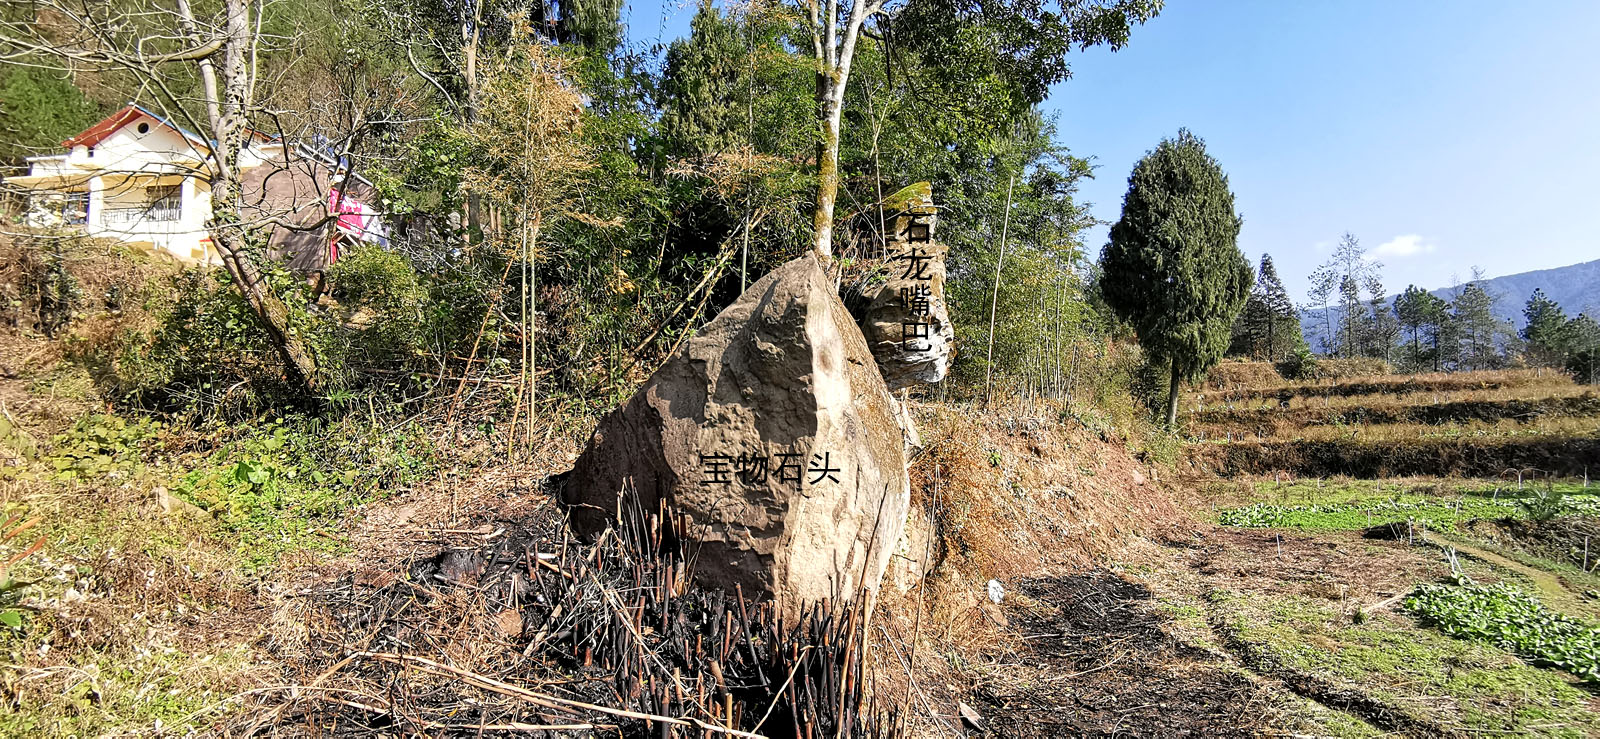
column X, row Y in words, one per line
column 678, row 651
column 638, row 650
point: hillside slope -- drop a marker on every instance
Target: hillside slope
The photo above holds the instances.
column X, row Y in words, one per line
column 1576, row 287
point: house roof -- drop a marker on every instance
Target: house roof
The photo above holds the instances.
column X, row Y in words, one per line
column 111, row 123
column 331, row 162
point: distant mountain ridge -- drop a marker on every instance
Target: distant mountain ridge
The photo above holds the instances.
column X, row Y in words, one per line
column 1575, row 287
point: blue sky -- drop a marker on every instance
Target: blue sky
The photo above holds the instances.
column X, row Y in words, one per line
column 1442, row 134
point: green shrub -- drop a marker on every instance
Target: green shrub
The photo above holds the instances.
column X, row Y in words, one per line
column 1150, row 383
column 1512, row 620
column 99, row 444
column 1584, row 366
column 1543, row 505
column 48, row 285
column 387, row 312
column 1298, row 365
column 208, row 350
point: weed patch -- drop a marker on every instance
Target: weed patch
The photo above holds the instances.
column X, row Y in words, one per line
column 1413, row 680
column 286, row 486
column 1360, row 506
column 1433, row 513
column 1512, row 620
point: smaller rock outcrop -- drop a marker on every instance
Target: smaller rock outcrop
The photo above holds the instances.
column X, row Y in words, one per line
column 907, row 322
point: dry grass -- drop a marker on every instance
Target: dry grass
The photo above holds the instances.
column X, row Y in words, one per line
column 1558, row 387
column 1016, row 492
column 1556, row 456
column 134, row 616
column 1014, row 495
column 1468, row 419
column 1371, row 386
column 1502, row 429
column 1236, row 375
column 1345, row 369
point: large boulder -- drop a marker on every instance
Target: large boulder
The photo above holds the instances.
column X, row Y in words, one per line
column 907, row 322
column 773, row 432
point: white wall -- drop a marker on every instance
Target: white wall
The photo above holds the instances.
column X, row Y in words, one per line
column 158, row 155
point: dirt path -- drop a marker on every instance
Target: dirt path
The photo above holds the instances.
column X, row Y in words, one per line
column 1249, row 632
column 1553, row 588
column 1099, row 660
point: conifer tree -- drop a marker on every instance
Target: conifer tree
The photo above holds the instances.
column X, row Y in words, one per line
column 1383, row 330
column 1269, row 326
column 1343, row 276
column 1546, row 330
column 1582, row 339
column 1353, row 322
column 1421, row 314
column 1173, row 268
column 1249, row 329
column 1477, row 330
column 1283, row 324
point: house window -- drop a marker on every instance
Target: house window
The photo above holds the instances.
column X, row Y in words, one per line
column 166, row 202
column 75, row 211
column 58, row 208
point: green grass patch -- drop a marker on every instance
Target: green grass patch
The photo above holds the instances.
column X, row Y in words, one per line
column 280, row 486
column 1513, row 620
column 1360, row 505
column 1435, row 514
column 1422, row 672
column 286, row 485
column 163, row 691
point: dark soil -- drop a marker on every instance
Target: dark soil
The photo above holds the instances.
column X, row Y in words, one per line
column 1098, row 662
column 1559, row 456
column 1331, row 565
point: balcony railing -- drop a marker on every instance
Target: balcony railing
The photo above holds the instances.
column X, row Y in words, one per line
column 156, row 212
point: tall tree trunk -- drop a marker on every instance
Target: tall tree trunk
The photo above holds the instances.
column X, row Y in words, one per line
column 994, row 297
column 1437, row 359
column 1330, row 339
column 225, row 110
column 834, row 54
column 1172, row 397
column 830, row 109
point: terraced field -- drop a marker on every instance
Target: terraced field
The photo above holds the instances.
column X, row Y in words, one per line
column 1470, row 424
column 1398, row 555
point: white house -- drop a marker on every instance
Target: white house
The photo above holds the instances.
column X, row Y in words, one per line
column 140, row 178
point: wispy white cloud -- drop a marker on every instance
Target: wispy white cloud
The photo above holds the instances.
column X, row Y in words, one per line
column 1408, row 245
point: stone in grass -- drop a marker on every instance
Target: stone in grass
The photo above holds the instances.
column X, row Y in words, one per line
column 772, row 431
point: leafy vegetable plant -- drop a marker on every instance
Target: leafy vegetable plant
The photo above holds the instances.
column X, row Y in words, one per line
column 1512, row 620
